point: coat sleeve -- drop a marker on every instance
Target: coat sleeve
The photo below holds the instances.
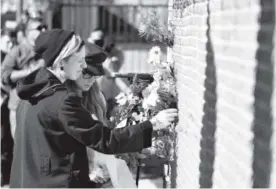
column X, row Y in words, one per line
column 8, row 65
column 78, row 123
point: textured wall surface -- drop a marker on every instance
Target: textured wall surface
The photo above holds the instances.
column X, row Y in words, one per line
column 223, row 54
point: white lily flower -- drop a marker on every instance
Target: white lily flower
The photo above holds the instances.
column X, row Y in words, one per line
column 130, row 96
column 151, row 100
column 121, row 99
column 155, row 56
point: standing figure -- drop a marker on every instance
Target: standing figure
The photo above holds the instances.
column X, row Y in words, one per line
column 19, row 63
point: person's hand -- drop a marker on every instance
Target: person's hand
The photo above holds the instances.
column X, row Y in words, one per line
column 164, row 118
column 99, row 175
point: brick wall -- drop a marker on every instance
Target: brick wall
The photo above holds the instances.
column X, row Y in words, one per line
column 223, row 57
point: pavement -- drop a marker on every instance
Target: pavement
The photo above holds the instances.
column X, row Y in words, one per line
column 150, row 176
column 151, row 183
column 143, row 183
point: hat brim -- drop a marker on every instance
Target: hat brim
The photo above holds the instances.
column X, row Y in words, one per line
column 93, row 49
column 95, row 56
column 95, row 59
column 95, row 70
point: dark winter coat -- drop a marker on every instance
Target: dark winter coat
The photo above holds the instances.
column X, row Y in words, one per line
column 53, row 130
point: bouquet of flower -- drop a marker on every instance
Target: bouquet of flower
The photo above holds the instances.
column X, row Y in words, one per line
column 144, row 101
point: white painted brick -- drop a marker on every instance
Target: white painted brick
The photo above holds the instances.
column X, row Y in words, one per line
column 234, row 30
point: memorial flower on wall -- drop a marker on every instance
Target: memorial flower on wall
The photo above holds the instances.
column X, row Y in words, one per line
column 144, row 101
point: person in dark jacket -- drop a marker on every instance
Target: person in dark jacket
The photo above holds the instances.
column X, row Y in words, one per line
column 57, row 127
column 94, row 101
column 21, row 26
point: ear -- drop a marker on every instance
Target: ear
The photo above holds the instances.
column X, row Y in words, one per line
column 61, row 64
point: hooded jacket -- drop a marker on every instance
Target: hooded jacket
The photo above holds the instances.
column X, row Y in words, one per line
column 53, row 130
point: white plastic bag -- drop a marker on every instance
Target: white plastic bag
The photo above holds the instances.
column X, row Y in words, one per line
column 119, row 173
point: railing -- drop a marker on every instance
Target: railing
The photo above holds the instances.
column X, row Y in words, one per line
column 132, row 76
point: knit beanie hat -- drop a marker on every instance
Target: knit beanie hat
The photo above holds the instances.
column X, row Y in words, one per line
column 50, row 43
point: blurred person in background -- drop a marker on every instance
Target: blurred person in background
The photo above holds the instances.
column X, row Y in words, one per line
column 8, row 42
column 35, row 13
column 21, row 26
column 19, row 63
column 31, row 13
column 97, row 36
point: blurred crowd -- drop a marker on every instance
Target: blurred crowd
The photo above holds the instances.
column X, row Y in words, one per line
column 13, row 32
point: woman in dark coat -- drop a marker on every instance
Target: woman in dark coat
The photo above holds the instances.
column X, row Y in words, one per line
column 56, row 127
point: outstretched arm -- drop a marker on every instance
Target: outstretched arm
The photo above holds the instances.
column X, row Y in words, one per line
column 78, row 123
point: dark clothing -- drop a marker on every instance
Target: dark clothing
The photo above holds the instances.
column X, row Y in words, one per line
column 6, row 143
column 51, row 140
column 79, row 159
column 3, row 55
